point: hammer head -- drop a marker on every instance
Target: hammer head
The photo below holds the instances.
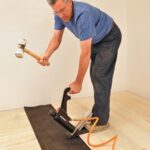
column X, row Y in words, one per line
column 21, row 45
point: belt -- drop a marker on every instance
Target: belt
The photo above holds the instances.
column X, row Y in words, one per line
column 113, row 25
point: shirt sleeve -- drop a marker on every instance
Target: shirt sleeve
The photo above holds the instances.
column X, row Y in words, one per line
column 86, row 27
column 58, row 23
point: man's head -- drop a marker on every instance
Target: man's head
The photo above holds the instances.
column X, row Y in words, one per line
column 62, row 8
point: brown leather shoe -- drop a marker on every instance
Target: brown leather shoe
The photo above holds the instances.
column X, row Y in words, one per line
column 98, row 128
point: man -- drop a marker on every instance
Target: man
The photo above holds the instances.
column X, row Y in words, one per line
column 99, row 42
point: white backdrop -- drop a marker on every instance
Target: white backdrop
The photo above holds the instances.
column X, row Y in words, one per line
column 23, row 82
column 138, row 79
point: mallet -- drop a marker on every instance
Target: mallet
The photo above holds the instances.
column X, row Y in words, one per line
column 21, row 49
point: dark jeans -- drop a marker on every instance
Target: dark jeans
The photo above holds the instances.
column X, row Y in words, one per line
column 103, row 59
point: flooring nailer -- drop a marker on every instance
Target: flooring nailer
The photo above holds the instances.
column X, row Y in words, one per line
column 61, row 116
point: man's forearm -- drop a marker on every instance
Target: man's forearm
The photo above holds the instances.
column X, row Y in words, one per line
column 84, row 59
column 53, row 45
column 83, row 66
column 55, row 42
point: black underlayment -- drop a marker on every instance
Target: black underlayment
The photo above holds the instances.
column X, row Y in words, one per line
column 50, row 134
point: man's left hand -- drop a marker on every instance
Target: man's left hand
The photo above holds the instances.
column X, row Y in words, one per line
column 75, row 87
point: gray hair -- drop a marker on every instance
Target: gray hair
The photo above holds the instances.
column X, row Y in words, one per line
column 52, row 2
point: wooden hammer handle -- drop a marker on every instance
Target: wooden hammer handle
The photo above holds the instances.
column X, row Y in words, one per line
column 34, row 55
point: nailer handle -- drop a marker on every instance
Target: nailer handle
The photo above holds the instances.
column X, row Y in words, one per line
column 65, row 98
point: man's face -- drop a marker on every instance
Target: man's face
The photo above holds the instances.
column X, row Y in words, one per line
column 63, row 9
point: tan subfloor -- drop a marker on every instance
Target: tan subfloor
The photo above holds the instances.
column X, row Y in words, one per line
column 129, row 119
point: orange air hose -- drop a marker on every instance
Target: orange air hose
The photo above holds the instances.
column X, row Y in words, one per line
column 113, row 139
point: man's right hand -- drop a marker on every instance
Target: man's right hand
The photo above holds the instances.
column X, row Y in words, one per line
column 44, row 61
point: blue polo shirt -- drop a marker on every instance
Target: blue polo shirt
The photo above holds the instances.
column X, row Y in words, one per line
column 87, row 22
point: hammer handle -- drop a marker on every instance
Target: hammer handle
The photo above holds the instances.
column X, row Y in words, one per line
column 34, row 55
